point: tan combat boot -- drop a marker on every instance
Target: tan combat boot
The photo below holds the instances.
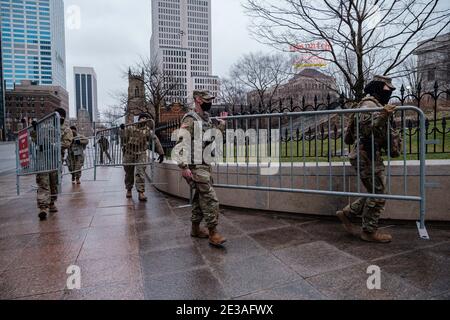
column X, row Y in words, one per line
column 53, row 208
column 215, row 238
column 129, row 194
column 376, row 236
column 198, row 232
column 43, row 213
column 142, row 197
column 347, row 224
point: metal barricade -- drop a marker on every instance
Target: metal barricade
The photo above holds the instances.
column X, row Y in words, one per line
column 255, row 143
column 38, row 149
column 88, row 154
column 126, row 145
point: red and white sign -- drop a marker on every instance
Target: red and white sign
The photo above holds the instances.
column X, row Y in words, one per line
column 24, row 156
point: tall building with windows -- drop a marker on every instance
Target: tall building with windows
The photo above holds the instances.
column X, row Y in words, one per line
column 86, row 91
column 2, row 99
column 181, row 45
column 33, row 41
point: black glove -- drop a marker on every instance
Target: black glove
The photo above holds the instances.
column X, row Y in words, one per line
column 122, row 126
column 161, row 158
column 34, row 124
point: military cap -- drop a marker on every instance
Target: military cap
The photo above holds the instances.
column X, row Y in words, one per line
column 205, row 95
column 386, row 80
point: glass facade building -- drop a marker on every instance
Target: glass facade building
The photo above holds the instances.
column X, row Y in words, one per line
column 86, row 91
column 33, row 41
column 2, row 100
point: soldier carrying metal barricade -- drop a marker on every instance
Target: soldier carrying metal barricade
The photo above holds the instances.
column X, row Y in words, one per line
column 369, row 135
column 75, row 156
column 136, row 140
column 104, row 149
column 45, row 139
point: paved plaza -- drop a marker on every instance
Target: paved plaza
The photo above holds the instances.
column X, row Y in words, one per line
column 132, row 250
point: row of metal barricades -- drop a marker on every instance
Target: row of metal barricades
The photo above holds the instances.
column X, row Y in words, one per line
column 40, row 149
column 264, row 152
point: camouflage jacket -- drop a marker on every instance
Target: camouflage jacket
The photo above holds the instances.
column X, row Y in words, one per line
column 78, row 149
column 137, row 139
column 103, row 143
column 371, row 122
column 189, row 122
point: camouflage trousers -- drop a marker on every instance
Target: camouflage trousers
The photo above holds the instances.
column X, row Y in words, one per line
column 75, row 164
column 135, row 174
column 205, row 204
column 47, row 189
column 102, row 153
column 370, row 209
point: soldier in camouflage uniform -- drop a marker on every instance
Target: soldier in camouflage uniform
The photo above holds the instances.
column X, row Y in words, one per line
column 75, row 157
column 48, row 182
column 136, row 141
column 205, row 204
column 104, row 147
column 379, row 92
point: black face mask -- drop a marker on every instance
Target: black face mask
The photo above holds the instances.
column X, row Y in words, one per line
column 206, row 106
column 385, row 96
column 376, row 90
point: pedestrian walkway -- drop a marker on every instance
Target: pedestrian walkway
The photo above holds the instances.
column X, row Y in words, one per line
column 132, row 250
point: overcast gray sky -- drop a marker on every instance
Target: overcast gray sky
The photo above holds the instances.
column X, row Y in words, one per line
column 113, row 34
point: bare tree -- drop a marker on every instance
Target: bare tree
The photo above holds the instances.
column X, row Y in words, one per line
column 159, row 85
column 232, row 92
column 410, row 75
column 358, row 37
column 263, row 73
column 113, row 114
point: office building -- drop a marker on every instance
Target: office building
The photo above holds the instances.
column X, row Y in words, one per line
column 86, row 91
column 2, row 100
column 181, row 45
column 30, row 101
column 33, row 42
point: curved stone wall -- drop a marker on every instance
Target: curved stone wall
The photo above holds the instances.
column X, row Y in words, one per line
column 167, row 178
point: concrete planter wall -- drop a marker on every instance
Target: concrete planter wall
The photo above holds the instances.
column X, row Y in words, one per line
column 168, row 179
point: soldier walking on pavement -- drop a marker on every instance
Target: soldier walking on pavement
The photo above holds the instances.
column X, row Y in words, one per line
column 205, row 204
column 136, row 141
column 75, row 157
column 104, row 147
column 379, row 92
column 48, row 182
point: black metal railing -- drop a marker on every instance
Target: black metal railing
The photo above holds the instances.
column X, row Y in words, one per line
column 324, row 134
